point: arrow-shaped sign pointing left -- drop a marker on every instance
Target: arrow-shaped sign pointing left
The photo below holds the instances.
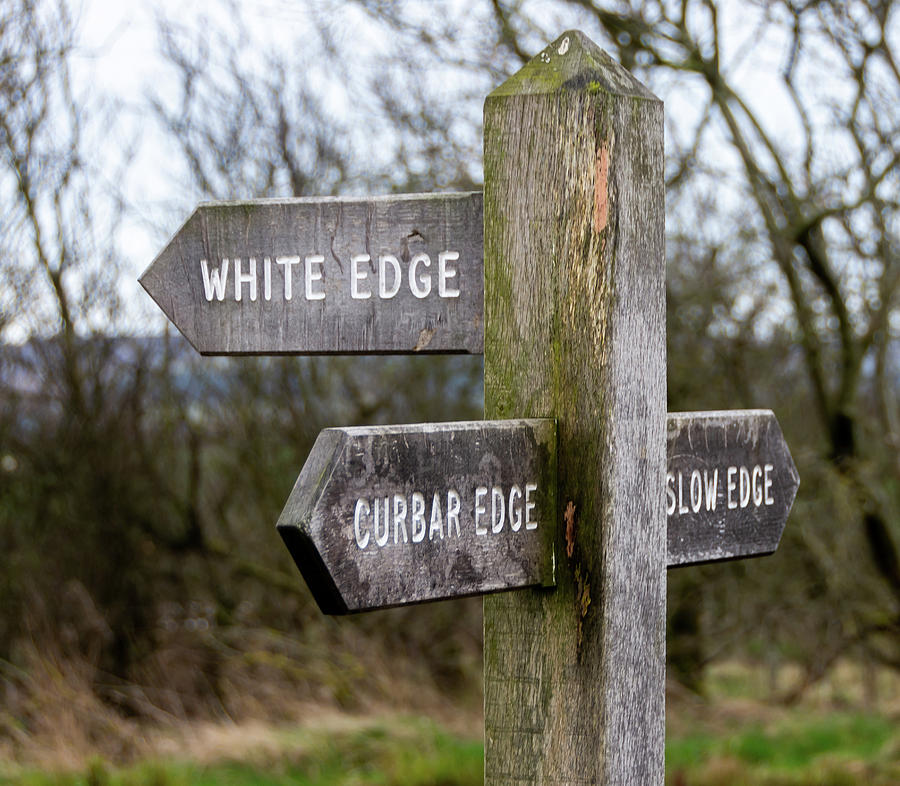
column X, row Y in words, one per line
column 390, row 515
column 326, row 275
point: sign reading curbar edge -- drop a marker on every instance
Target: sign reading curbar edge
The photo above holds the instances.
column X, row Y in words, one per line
column 327, row 275
column 389, row 515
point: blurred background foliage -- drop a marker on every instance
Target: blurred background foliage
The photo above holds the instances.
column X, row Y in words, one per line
column 139, row 483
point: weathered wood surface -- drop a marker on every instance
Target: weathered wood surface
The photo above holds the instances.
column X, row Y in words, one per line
column 575, row 330
column 470, row 509
column 398, row 274
column 730, row 484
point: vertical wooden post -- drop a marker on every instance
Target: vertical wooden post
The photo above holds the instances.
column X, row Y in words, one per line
column 575, row 329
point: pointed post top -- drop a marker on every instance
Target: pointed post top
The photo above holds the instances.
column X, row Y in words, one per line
column 572, row 62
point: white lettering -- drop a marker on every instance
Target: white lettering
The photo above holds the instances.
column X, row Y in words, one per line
column 421, row 279
column 682, row 508
column 767, row 485
column 704, row 489
column 418, row 517
column 745, row 487
column 445, row 273
column 399, row 517
column 412, row 520
column 312, row 276
column 357, row 275
column 362, row 509
column 670, row 493
column 287, row 264
column 497, row 504
column 422, row 286
column 453, row 506
column 712, row 489
column 696, row 485
column 732, row 503
column 757, row 486
column 244, row 278
column 383, row 262
column 214, row 280
column 382, row 538
column 515, row 511
column 437, row 520
column 529, row 506
column 267, row 278
column 480, row 529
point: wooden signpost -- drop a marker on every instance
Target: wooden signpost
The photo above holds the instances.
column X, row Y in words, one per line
column 574, row 214
column 578, row 492
column 326, row 275
column 390, row 515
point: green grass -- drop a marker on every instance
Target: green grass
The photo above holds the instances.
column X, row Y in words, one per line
column 855, row 736
column 802, row 750
column 798, row 749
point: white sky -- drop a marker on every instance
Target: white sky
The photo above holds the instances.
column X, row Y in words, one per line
column 121, row 59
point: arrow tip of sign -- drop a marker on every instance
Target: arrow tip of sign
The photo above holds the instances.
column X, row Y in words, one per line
column 318, row 578
column 160, row 280
column 794, row 475
column 150, row 281
column 294, row 522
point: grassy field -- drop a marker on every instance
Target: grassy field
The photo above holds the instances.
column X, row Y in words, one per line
column 833, row 750
column 831, row 739
column 390, row 751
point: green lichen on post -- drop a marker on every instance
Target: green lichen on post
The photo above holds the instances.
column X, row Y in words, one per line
column 572, row 62
column 497, row 277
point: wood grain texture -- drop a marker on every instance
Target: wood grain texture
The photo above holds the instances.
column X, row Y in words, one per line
column 575, row 330
column 485, row 493
column 730, row 484
column 282, row 319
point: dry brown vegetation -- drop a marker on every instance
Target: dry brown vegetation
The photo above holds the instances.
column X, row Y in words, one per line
column 212, row 693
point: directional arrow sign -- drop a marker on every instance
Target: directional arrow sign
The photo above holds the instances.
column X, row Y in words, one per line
column 730, row 484
column 326, row 275
column 391, row 515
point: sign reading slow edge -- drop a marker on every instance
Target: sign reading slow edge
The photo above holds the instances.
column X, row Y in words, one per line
column 390, row 515
column 730, row 484
column 326, row 275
